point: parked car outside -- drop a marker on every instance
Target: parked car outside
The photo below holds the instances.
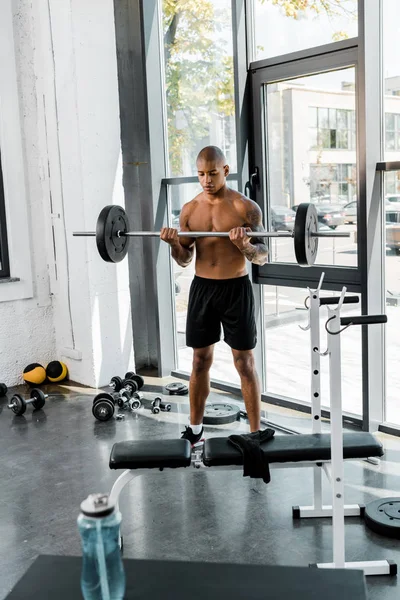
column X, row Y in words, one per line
column 282, row 218
column 328, row 214
column 393, row 227
column 350, row 212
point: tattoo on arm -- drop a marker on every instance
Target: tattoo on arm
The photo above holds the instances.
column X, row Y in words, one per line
column 257, row 251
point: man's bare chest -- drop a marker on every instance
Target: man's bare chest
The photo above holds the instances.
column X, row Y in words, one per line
column 215, row 219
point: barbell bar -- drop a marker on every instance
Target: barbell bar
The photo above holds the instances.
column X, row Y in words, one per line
column 202, row 234
column 112, row 234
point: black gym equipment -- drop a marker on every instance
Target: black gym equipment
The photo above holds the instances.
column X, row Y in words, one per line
column 133, row 403
column 135, row 377
column 220, row 413
column 177, row 389
column 115, row 383
column 18, row 404
column 383, row 517
column 3, row 389
column 156, row 405
column 112, row 222
column 103, row 406
column 129, row 387
column 112, row 234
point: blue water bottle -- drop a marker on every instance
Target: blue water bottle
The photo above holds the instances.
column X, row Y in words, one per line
column 103, row 576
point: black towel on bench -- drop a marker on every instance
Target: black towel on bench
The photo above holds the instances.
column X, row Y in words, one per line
column 254, row 462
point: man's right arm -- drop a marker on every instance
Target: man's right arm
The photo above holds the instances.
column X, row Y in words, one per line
column 182, row 248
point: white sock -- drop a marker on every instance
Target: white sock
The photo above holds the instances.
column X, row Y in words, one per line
column 196, row 428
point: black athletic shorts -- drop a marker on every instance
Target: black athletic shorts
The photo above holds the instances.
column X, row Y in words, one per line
column 213, row 302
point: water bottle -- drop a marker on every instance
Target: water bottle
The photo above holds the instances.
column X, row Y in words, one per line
column 103, row 576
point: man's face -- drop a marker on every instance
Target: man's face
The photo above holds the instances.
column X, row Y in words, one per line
column 212, row 175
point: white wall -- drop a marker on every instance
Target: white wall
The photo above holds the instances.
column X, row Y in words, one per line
column 26, row 314
column 69, row 101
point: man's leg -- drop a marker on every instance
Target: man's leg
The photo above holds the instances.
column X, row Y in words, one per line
column 245, row 366
column 199, row 387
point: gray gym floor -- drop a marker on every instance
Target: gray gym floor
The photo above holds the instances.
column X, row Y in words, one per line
column 53, row 458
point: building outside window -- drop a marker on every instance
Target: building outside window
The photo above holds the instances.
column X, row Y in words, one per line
column 332, row 128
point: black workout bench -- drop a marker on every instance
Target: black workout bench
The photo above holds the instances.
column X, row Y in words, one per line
column 282, row 451
column 218, row 452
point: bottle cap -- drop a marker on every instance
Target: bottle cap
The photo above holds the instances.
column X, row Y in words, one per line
column 97, row 505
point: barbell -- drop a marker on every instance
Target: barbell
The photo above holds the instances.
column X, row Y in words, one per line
column 112, row 234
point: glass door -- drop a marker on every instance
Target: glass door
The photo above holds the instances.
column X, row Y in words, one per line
column 305, row 132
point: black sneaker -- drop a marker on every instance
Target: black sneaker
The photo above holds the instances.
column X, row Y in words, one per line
column 193, row 438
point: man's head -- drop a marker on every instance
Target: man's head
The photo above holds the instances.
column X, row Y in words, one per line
column 212, row 169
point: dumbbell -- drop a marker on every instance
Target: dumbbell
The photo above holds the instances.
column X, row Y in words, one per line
column 3, row 389
column 139, row 380
column 134, row 402
column 103, row 406
column 129, row 387
column 158, row 405
column 18, row 404
column 115, row 383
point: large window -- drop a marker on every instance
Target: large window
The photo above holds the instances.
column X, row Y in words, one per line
column 222, row 368
column 392, row 131
column 4, row 262
column 391, row 86
column 288, row 350
column 281, row 27
column 392, row 281
column 324, row 171
column 199, row 82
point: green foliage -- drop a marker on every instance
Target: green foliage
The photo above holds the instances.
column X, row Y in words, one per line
column 199, row 73
column 330, row 7
column 199, row 66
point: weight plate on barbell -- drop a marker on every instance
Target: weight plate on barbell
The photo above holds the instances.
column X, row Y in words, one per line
column 383, row 516
column 3, row 389
column 111, row 247
column 306, row 223
column 220, row 413
column 40, row 398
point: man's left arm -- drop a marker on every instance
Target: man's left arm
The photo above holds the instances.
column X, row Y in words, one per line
column 253, row 248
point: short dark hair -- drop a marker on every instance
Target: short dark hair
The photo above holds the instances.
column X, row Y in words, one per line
column 212, row 153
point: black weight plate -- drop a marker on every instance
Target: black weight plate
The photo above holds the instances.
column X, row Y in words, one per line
column 103, row 396
column 177, row 389
column 130, row 374
column 112, row 219
column 103, row 410
column 130, row 384
column 40, row 398
column 383, row 516
column 139, row 380
column 117, row 381
column 220, row 413
column 306, row 223
column 3, row 389
column 20, row 405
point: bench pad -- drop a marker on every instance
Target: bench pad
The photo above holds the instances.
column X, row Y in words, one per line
column 150, row 454
column 293, row 448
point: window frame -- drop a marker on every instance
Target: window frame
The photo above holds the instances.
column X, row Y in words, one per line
column 313, row 61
